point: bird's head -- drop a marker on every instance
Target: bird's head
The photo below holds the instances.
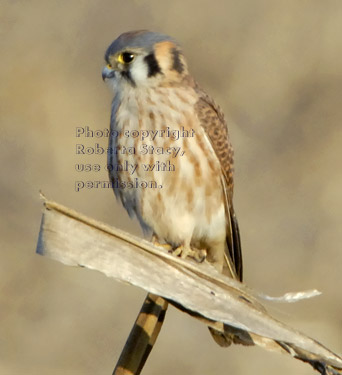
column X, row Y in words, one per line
column 144, row 59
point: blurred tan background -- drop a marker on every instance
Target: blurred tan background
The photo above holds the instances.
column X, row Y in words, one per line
column 275, row 67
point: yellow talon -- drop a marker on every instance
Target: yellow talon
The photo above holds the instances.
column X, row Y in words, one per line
column 164, row 246
column 182, row 251
column 196, row 254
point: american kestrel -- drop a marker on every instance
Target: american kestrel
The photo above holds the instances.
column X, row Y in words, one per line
column 170, row 158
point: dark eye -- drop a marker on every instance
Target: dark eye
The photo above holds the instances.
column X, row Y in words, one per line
column 127, row 57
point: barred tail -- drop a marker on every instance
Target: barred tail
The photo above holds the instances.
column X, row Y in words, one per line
column 142, row 337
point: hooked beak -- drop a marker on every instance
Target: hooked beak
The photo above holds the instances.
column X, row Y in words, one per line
column 107, row 73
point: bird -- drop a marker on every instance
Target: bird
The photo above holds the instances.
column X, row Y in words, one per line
column 170, row 163
column 175, row 139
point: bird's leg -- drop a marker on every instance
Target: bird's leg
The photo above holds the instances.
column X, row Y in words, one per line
column 165, row 246
column 185, row 251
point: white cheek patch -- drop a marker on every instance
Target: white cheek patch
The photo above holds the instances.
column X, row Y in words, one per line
column 139, row 70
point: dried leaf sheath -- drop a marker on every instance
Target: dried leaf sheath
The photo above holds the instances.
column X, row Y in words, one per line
column 74, row 239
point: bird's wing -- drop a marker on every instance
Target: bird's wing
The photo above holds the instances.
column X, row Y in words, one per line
column 212, row 121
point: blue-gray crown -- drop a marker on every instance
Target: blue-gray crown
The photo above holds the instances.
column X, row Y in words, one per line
column 141, row 38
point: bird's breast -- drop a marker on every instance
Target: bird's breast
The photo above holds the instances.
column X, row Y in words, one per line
column 164, row 165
